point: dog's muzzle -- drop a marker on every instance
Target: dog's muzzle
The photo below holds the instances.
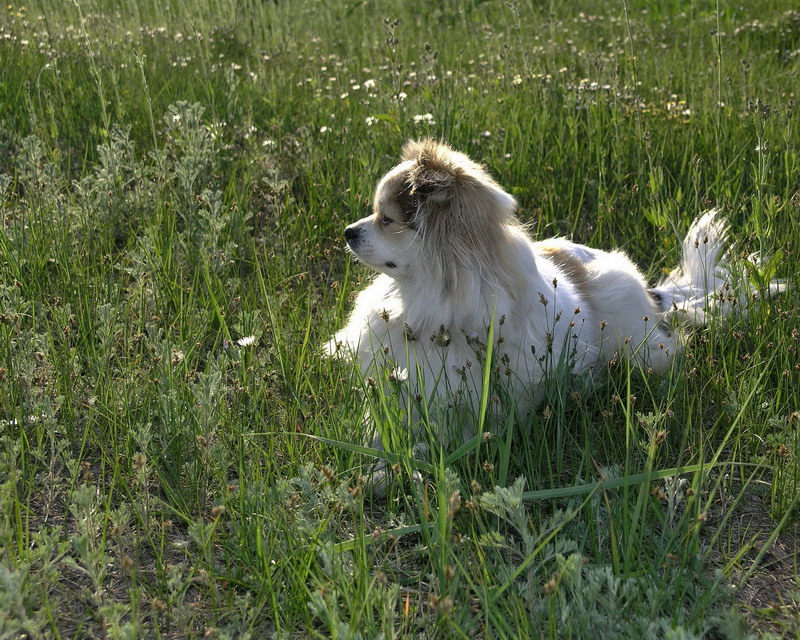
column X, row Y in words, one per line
column 352, row 235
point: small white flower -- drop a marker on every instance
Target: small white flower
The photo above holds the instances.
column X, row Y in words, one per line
column 402, row 96
column 324, row 129
column 370, row 120
column 343, row 96
column 517, row 79
column 427, row 118
column 369, row 84
column 246, row 341
column 399, row 375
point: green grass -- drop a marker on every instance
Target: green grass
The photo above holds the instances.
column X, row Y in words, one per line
column 175, row 176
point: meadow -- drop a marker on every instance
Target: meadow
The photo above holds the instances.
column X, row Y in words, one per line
column 177, row 459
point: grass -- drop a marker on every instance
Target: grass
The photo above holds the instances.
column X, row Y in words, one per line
column 175, row 177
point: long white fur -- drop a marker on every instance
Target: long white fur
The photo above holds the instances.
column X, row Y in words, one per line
column 461, row 262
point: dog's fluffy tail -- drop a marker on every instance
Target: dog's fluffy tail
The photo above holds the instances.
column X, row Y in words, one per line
column 703, row 281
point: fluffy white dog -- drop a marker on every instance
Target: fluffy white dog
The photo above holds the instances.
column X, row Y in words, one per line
column 456, row 267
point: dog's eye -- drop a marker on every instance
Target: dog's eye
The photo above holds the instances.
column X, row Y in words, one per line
column 386, row 221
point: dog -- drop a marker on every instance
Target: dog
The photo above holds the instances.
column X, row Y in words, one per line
column 460, row 276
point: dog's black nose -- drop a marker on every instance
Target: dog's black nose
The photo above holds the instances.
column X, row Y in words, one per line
column 351, row 234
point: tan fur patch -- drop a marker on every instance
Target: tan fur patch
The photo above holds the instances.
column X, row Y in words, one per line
column 575, row 270
column 391, row 202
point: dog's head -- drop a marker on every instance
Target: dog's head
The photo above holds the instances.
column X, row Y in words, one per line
column 435, row 215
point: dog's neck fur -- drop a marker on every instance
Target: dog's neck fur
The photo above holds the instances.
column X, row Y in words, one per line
column 437, row 298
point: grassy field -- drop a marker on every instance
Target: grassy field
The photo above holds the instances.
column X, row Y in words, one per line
column 177, row 459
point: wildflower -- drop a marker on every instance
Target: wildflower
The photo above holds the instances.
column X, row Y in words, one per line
column 139, row 461
column 324, row 129
column 369, row 84
column 454, row 503
column 426, row 118
column 370, row 120
column 517, row 79
column 445, row 605
column 398, row 375
column 246, row 341
column 218, row 510
column 329, row 474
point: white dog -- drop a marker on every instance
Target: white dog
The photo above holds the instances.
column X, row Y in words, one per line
column 456, row 267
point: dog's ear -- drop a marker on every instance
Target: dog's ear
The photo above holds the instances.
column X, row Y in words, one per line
column 435, row 176
column 440, row 175
column 432, row 186
column 423, row 150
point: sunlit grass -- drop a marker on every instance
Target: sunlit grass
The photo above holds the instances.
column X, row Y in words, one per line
column 177, row 458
